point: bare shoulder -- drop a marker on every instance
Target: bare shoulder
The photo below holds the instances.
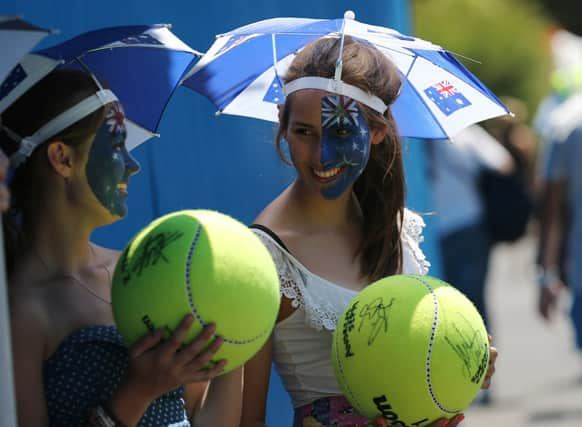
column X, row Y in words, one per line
column 270, row 215
column 29, row 313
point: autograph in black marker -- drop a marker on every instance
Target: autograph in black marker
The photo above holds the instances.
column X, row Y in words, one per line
column 150, row 254
column 469, row 348
column 377, row 314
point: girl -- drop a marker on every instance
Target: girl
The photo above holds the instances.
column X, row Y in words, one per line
column 339, row 226
column 66, row 139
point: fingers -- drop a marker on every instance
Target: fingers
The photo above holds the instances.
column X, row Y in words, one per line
column 195, row 350
column 175, row 341
column 197, row 372
column 546, row 303
column 145, row 343
column 455, row 421
column 492, row 359
column 491, row 370
column 216, row 369
column 381, row 422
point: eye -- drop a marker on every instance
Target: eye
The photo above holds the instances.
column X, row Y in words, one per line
column 342, row 133
column 304, row 131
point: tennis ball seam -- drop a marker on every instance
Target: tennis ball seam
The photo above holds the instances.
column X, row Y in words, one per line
column 195, row 312
column 433, row 330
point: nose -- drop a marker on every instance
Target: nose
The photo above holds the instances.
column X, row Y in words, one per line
column 328, row 153
column 131, row 164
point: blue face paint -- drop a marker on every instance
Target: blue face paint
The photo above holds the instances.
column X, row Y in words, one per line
column 345, row 142
column 110, row 165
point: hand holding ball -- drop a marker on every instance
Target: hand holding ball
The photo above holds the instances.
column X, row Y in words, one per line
column 202, row 263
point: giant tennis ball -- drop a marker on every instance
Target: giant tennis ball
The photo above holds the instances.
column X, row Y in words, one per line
column 204, row 263
column 412, row 349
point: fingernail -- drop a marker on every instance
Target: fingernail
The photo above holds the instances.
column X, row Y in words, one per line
column 461, row 417
column 445, row 422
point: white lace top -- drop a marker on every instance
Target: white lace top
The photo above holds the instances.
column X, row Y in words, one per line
column 302, row 342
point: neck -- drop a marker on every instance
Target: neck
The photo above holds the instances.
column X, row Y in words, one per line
column 322, row 213
column 60, row 238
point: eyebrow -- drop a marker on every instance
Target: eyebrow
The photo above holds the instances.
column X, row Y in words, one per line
column 297, row 123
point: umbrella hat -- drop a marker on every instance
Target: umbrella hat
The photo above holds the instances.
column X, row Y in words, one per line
column 141, row 64
column 241, row 74
column 17, row 38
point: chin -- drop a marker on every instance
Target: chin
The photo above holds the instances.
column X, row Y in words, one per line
column 112, row 217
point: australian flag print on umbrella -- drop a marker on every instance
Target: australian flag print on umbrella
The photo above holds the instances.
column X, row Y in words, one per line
column 447, row 97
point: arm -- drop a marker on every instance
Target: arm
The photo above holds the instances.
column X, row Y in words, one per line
column 257, row 373
column 28, row 346
column 221, row 403
column 486, row 150
column 550, row 244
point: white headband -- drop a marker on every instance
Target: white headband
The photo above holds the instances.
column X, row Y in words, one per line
column 338, row 87
column 59, row 123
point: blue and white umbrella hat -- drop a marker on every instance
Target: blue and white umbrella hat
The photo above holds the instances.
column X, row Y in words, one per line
column 142, row 64
column 241, row 72
column 17, row 38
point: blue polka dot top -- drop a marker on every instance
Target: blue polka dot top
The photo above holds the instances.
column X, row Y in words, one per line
column 85, row 371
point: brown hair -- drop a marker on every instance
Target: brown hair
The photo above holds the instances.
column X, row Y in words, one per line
column 380, row 189
column 54, row 94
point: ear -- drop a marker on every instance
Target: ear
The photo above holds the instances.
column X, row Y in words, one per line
column 378, row 134
column 61, row 158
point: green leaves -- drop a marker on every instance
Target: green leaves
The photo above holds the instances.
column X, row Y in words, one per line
column 507, row 37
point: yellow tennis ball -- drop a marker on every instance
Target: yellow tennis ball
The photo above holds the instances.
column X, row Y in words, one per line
column 202, row 263
column 412, row 349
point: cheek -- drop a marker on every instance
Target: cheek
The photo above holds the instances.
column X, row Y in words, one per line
column 118, row 166
column 300, row 151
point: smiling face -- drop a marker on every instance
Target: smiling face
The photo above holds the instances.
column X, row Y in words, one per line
column 109, row 164
column 329, row 141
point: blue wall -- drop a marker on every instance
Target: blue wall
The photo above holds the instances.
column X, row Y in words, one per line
column 225, row 163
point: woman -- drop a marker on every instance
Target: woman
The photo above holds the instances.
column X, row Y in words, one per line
column 71, row 367
column 339, row 226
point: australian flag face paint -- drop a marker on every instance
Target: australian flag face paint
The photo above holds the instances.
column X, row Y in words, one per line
column 345, row 143
column 110, row 165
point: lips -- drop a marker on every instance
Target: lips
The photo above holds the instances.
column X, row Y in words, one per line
column 327, row 175
column 122, row 187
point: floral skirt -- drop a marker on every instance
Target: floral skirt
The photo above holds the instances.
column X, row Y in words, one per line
column 333, row 411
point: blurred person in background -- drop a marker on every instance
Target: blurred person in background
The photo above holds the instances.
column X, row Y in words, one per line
column 518, row 138
column 455, row 169
column 559, row 123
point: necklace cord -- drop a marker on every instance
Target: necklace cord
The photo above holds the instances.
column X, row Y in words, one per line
column 75, row 278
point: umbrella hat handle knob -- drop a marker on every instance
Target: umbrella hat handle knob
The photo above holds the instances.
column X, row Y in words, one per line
column 349, row 14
